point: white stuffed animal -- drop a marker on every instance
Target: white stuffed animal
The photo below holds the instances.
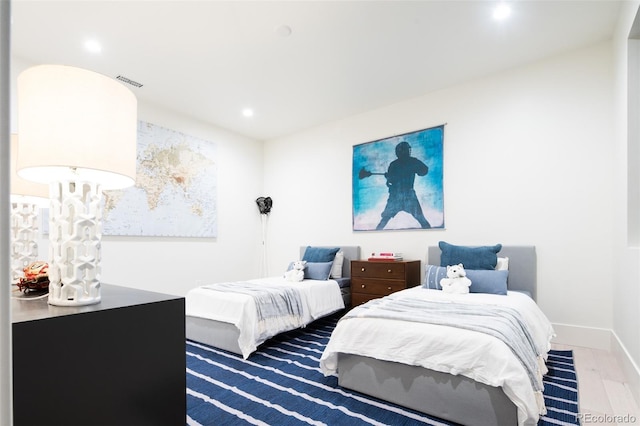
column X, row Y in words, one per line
column 296, row 273
column 456, row 281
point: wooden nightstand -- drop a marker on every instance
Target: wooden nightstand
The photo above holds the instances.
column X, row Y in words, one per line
column 374, row 279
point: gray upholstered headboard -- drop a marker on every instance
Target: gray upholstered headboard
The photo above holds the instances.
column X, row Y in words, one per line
column 522, row 266
column 350, row 253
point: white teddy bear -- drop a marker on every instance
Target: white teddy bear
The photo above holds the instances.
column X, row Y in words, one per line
column 457, row 281
column 296, row 273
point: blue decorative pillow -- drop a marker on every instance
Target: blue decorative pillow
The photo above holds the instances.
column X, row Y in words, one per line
column 320, row 254
column 482, row 257
column 482, row 280
column 485, row 281
column 317, row 270
column 432, row 276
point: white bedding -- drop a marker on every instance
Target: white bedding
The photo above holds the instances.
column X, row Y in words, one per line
column 450, row 350
column 319, row 298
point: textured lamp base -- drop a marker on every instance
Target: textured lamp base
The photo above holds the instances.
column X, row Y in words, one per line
column 75, row 233
column 24, row 230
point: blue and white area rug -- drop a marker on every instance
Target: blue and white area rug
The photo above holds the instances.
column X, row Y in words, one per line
column 560, row 390
column 281, row 384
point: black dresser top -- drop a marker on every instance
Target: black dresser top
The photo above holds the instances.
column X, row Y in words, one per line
column 112, row 297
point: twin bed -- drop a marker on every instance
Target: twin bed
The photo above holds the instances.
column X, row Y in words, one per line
column 387, row 350
column 456, row 374
column 226, row 315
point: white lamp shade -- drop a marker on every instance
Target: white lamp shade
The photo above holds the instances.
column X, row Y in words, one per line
column 76, row 124
column 24, row 190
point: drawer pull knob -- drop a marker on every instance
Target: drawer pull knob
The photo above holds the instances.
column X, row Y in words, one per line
column 363, row 269
column 363, row 285
column 389, row 270
column 389, row 288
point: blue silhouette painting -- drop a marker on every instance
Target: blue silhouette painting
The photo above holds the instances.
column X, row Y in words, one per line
column 397, row 182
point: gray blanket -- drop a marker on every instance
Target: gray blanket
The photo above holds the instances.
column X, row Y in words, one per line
column 501, row 322
column 270, row 301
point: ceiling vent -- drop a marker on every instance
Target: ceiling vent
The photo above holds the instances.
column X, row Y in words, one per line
column 128, row 81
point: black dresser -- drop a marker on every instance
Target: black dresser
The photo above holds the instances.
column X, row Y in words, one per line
column 119, row 362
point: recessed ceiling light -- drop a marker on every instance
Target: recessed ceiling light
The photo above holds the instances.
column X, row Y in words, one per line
column 502, row 11
column 247, row 112
column 93, row 46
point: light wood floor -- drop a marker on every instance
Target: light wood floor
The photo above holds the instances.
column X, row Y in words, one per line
column 602, row 388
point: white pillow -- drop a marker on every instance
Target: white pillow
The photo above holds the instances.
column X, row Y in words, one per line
column 336, row 269
column 502, row 264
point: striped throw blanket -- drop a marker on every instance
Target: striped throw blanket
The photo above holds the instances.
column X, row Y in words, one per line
column 501, row 322
column 270, row 301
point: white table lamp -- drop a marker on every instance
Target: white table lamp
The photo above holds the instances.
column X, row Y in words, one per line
column 77, row 133
column 26, row 200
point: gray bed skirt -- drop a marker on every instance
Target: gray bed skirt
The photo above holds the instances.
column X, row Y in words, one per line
column 454, row 398
column 221, row 335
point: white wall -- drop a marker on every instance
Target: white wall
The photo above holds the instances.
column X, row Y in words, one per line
column 626, row 220
column 174, row 265
column 527, row 160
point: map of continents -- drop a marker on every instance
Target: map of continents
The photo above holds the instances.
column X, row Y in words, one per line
column 175, row 190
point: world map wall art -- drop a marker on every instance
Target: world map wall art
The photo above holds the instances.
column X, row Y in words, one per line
column 175, row 190
column 398, row 182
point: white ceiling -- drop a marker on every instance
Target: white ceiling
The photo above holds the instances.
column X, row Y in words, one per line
column 211, row 59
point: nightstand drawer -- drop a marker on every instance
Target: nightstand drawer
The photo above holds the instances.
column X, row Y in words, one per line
column 360, row 298
column 391, row 270
column 376, row 286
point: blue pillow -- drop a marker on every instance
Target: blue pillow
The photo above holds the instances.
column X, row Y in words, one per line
column 317, row 270
column 483, row 257
column 320, row 254
column 432, row 276
column 485, row 281
column 482, row 280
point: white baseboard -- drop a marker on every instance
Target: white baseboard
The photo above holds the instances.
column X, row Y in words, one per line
column 588, row 337
column 601, row 338
column 629, row 367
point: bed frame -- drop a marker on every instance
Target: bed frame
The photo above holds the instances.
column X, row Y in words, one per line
column 225, row 335
column 453, row 398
